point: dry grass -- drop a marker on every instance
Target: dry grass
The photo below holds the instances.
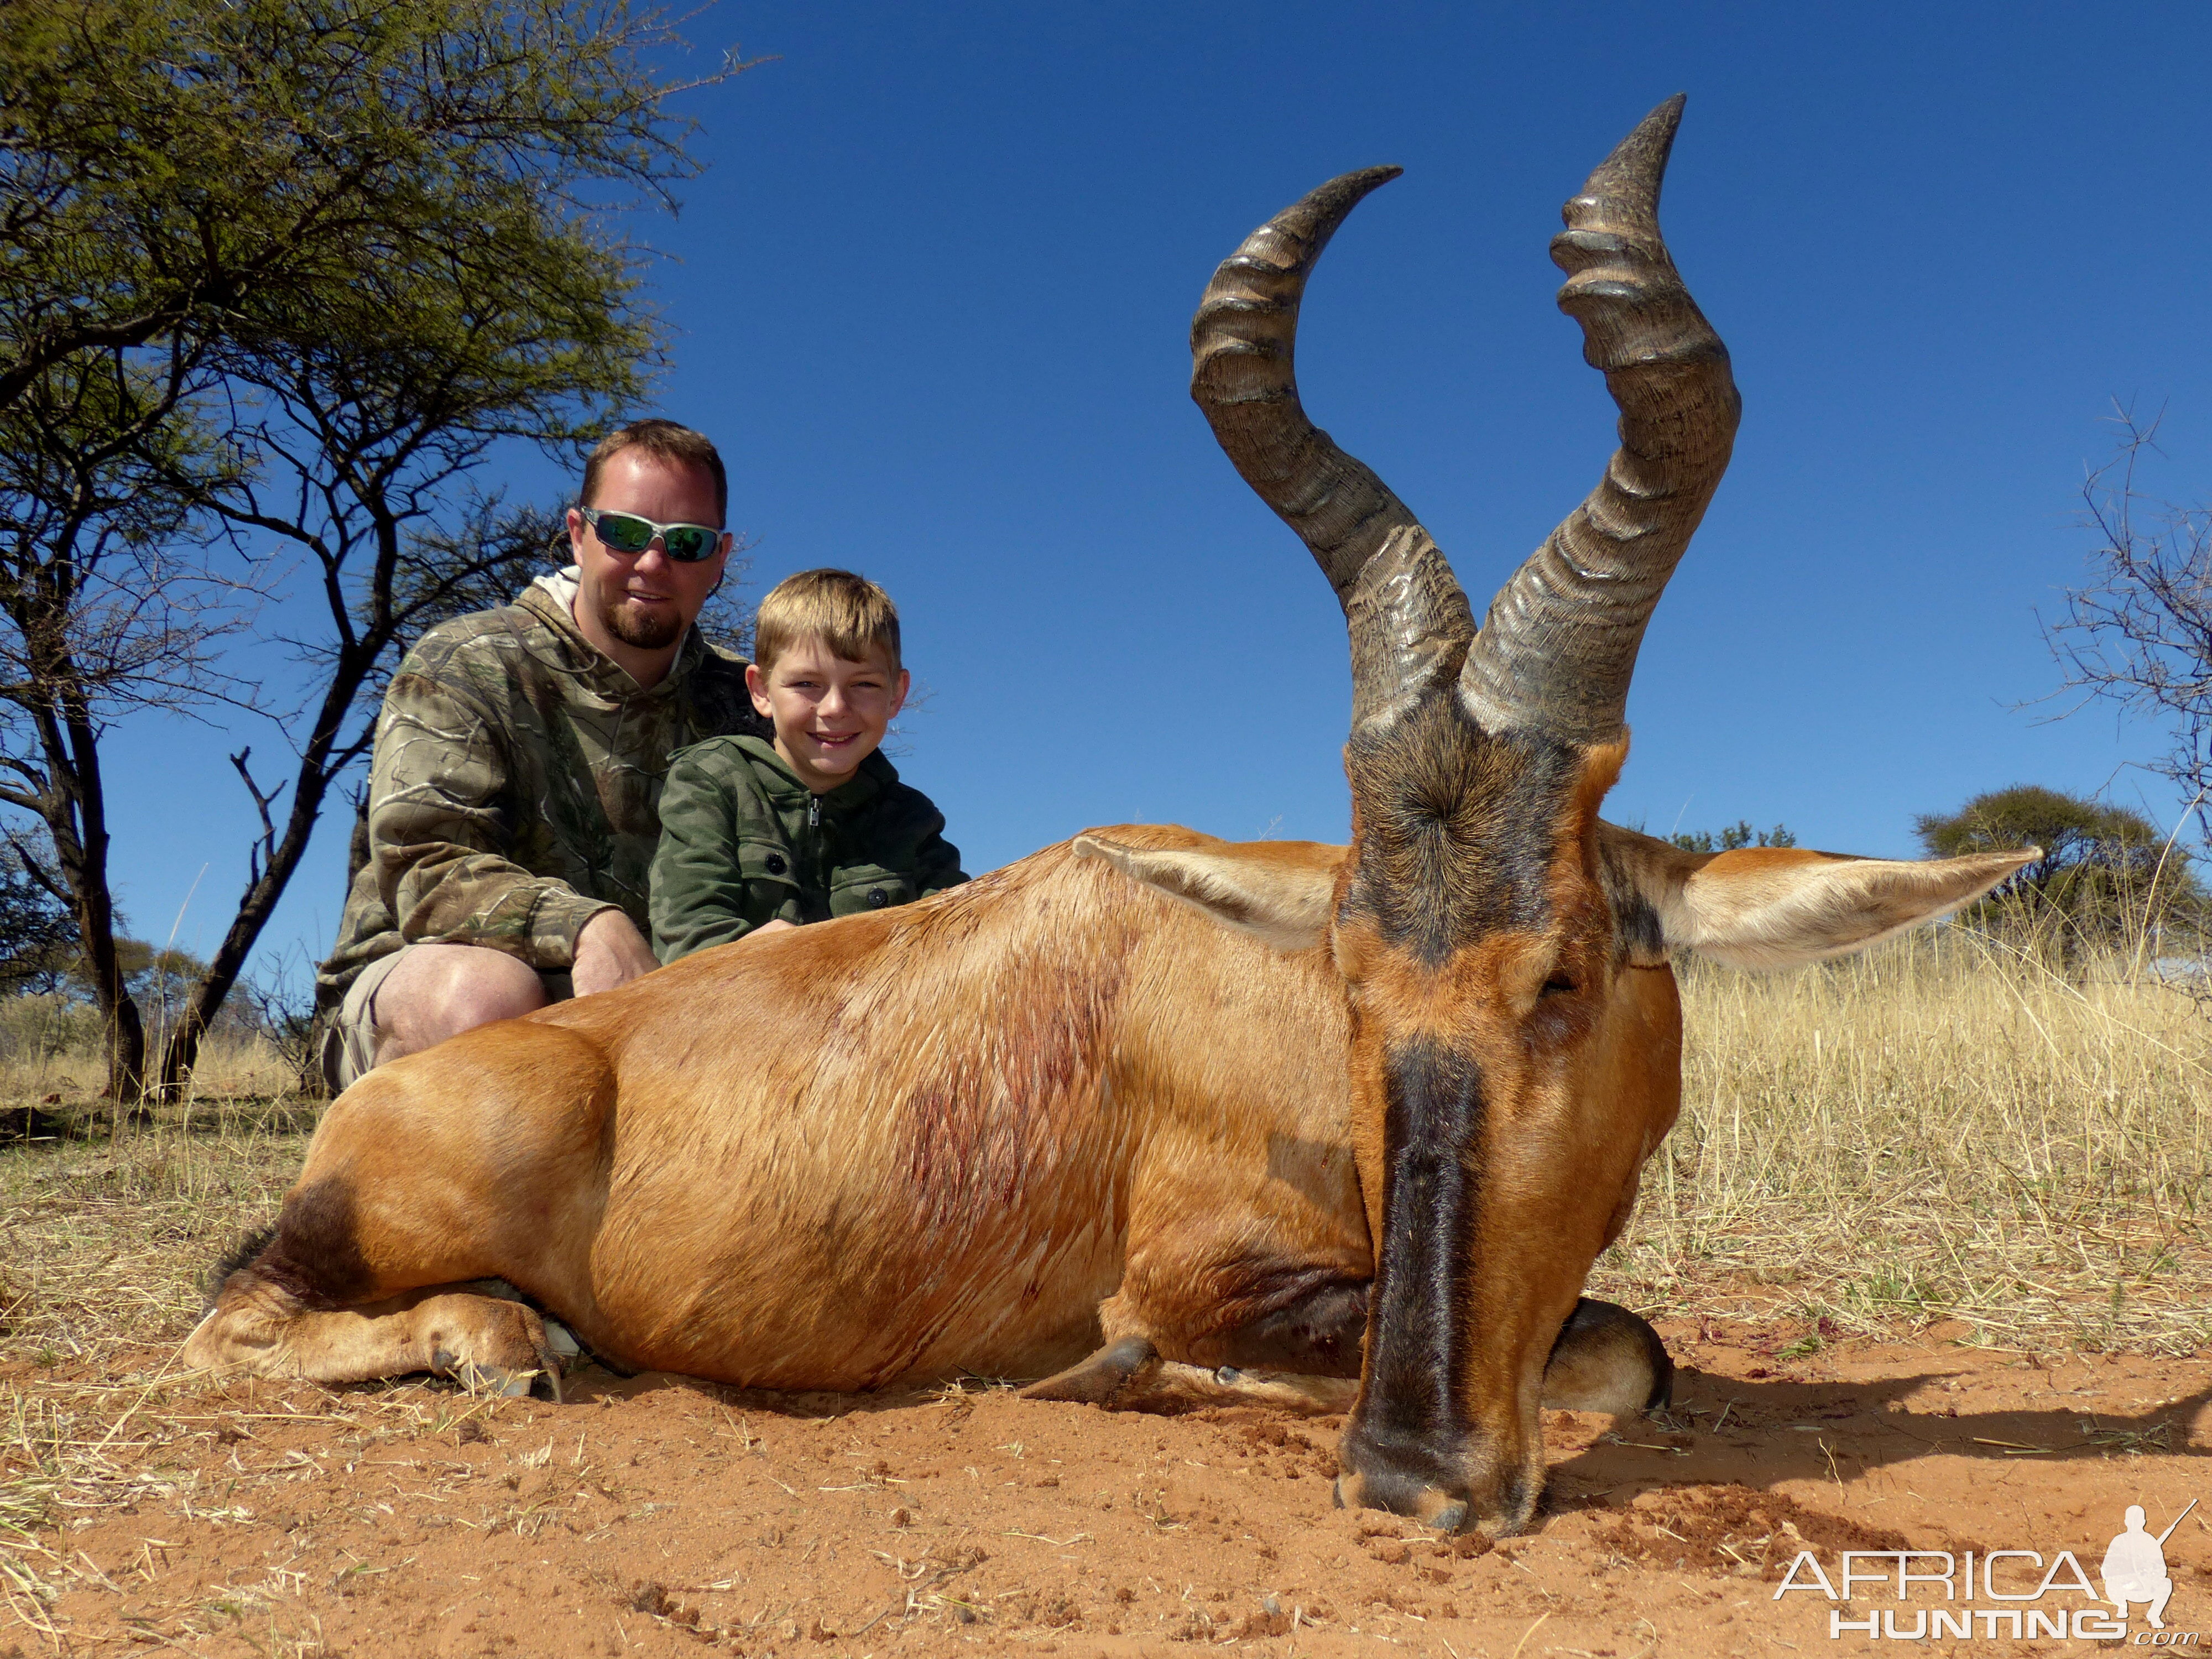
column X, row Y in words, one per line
column 230, row 1069
column 105, row 1231
column 73, row 1451
column 1943, row 1130
column 105, row 1235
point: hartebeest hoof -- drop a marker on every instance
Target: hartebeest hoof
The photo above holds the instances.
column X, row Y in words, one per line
column 1606, row 1359
column 491, row 1345
column 1113, row 1371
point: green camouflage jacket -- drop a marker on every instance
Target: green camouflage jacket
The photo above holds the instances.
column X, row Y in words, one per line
column 516, row 784
column 744, row 842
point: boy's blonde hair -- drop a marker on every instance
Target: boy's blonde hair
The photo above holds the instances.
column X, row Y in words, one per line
column 849, row 614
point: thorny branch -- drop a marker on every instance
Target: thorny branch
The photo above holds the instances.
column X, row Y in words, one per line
column 2139, row 632
column 262, row 851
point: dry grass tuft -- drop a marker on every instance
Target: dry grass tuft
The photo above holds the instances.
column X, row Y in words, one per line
column 230, row 1069
column 105, row 1233
column 1946, row 1129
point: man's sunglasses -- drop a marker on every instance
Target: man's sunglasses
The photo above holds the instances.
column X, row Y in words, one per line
column 626, row 532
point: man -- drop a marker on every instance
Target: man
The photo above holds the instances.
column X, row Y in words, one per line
column 513, row 798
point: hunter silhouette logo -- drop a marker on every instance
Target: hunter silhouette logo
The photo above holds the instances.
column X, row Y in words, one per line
column 2133, row 1571
column 2135, row 1566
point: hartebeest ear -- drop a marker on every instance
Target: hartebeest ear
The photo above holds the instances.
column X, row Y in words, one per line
column 1276, row 891
column 1774, row 907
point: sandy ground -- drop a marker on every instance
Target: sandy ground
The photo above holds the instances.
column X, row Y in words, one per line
column 661, row 1515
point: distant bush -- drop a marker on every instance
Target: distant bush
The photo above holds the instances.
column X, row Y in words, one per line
column 38, row 935
column 1739, row 834
column 2107, row 879
column 41, row 1025
column 46, row 1006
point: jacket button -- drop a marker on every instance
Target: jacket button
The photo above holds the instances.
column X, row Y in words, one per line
column 775, row 864
column 878, row 898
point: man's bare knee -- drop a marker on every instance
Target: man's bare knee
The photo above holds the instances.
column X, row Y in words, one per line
column 441, row 990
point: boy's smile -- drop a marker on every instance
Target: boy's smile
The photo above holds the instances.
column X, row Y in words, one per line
column 830, row 712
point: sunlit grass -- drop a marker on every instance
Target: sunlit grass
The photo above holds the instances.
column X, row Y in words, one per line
column 1949, row 1129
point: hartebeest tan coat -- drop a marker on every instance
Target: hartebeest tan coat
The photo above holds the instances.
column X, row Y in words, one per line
column 1244, row 1120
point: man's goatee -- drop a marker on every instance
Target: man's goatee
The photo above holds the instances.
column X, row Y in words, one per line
column 649, row 630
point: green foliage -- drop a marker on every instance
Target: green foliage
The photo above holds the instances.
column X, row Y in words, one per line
column 104, row 604
column 2106, row 874
column 37, row 933
column 182, row 169
column 318, row 258
column 1739, row 834
column 155, row 974
column 2072, row 830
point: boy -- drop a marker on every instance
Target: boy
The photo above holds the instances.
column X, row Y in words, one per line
column 758, row 836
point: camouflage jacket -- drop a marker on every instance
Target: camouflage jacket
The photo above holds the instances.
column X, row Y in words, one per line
column 516, row 785
column 744, row 842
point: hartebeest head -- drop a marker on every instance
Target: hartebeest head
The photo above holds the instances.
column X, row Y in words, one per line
column 1514, row 1037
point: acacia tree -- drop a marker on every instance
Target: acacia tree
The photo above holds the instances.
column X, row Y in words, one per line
column 104, row 609
column 168, row 166
column 2105, row 872
column 383, row 225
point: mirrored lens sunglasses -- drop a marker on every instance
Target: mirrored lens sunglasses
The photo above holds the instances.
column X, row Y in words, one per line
column 627, row 533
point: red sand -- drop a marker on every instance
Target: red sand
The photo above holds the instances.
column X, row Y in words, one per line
column 660, row 1515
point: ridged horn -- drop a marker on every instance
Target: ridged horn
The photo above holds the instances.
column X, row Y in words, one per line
column 1408, row 620
column 1557, row 651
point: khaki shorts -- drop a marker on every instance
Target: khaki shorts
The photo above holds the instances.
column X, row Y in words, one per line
column 350, row 1040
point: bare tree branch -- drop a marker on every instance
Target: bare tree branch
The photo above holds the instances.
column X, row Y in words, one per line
column 2138, row 633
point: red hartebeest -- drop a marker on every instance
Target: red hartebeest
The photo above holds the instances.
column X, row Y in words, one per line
column 1096, row 1101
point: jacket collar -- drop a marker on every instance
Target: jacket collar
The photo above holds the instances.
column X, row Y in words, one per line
column 875, row 775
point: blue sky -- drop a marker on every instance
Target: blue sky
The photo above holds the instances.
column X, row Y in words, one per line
column 932, row 297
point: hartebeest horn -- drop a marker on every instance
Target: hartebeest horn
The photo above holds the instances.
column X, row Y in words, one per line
column 1557, row 650
column 1408, row 620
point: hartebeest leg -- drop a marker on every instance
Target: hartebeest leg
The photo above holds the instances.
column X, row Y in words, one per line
column 478, row 1339
column 364, row 1275
column 1290, row 1391
column 1130, row 1374
column 1606, row 1359
column 1303, row 1354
